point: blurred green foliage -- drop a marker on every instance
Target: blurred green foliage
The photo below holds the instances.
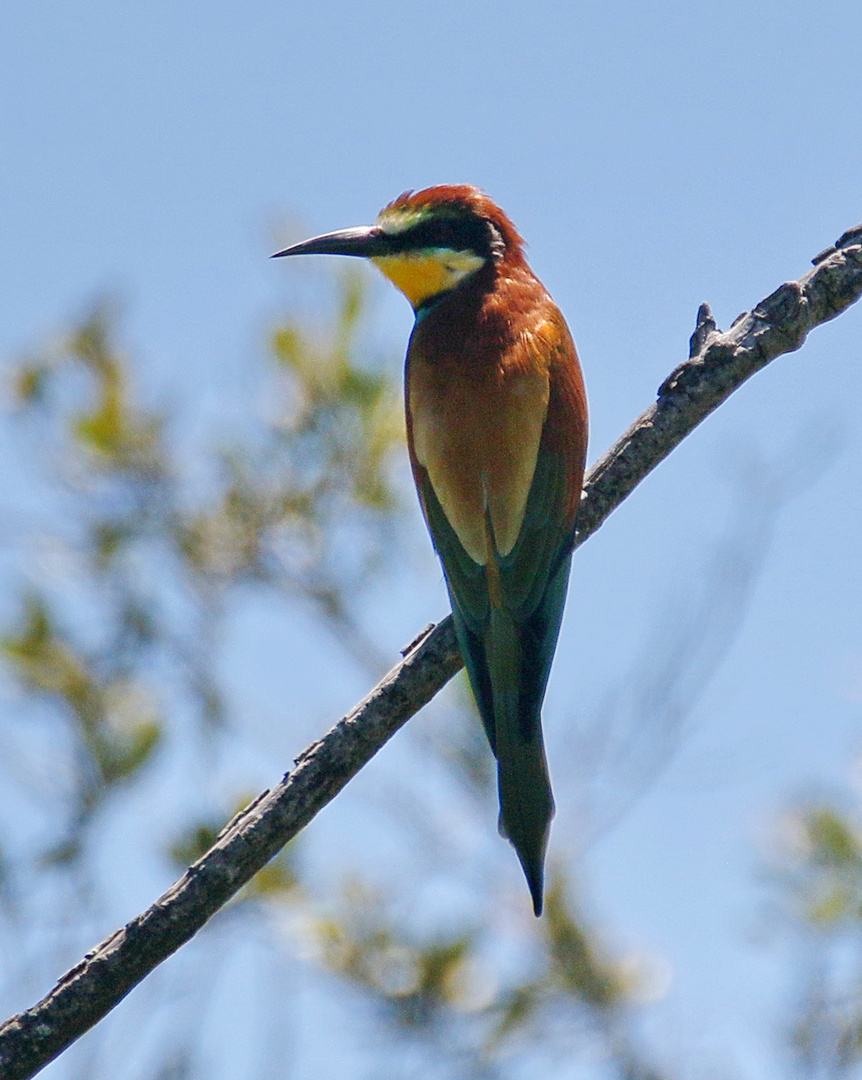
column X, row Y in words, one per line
column 819, row 882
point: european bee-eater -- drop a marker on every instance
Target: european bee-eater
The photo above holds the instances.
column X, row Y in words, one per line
column 497, row 434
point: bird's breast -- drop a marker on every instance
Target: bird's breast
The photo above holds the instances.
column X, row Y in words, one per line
column 475, row 428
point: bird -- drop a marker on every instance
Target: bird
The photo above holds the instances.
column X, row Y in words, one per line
column 497, row 426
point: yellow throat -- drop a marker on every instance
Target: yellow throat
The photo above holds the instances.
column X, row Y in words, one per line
column 421, row 275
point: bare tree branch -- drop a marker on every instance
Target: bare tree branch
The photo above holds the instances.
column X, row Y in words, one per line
column 718, row 363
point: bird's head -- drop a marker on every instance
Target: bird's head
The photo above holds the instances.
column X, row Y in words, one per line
column 427, row 242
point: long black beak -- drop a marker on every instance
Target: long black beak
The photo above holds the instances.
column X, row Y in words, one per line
column 364, row 241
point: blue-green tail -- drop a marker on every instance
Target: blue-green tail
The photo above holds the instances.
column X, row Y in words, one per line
column 526, row 802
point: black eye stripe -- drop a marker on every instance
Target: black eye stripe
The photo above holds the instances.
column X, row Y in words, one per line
column 457, row 233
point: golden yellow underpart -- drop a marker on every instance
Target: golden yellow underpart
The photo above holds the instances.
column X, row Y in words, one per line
column 479, row 442
column 421, row 275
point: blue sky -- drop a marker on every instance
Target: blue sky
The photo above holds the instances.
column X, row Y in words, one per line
column 654, row 155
